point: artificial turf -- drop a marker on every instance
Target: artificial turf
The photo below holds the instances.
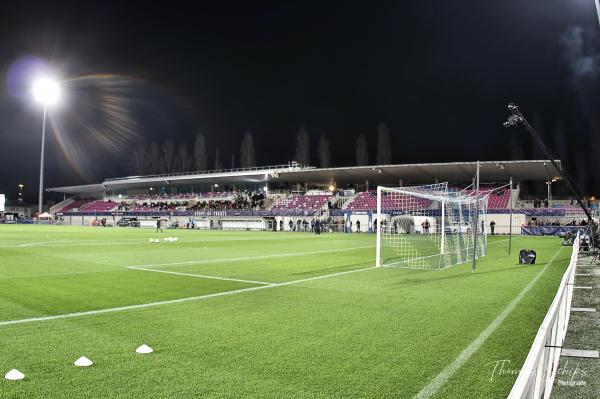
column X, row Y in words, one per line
column 383, row 332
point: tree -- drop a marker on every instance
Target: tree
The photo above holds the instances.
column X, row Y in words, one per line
column 538, row 125
column 218, row 164
column 362, row 152
column 200, row 156
column 153, row 158
column 595, row 144
column 302, row 147
column 138, row 162
column 561, row 151
column 384, row 147
column 248, row 156
column 168, row 156
column 581, row 165
column 324, row 152
column 516, row 146
column 182, row 161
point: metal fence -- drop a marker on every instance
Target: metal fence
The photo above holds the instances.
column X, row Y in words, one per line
column 537, row 374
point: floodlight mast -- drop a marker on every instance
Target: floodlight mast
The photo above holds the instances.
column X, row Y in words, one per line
column 47, row 92
column 517, row 117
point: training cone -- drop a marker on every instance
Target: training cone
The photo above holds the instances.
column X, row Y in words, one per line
column 175, row 239
column 14, row 375
column 83, row 362
column 144, row 349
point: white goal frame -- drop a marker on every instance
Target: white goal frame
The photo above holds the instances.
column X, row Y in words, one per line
column 474, row 203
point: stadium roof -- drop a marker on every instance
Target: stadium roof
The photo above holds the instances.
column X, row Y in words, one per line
column 454, row 172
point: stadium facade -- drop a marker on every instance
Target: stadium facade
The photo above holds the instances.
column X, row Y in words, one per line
column 282, row 197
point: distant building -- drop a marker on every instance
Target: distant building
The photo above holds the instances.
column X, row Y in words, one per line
column 20, row 210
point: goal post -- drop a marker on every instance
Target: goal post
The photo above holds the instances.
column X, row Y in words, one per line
column 428, row 227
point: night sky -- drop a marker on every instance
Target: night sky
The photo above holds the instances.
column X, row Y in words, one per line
column 438, row 73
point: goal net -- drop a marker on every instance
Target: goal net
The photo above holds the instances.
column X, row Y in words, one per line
column 429, row 227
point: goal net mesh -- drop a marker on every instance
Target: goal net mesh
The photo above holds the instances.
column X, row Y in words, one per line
column 429, row 227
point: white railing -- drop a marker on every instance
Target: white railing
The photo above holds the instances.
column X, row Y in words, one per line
column 60, row 205
column 537, row 374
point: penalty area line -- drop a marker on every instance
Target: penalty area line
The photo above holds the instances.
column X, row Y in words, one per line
column 433, row 387
column 175, row 301
column 246, row 258
column 199, row 275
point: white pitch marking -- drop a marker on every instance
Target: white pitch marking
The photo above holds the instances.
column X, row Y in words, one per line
column 244, row 258
column 432, row 388
column 198, row 275
column 174, row 301
column 177, row 263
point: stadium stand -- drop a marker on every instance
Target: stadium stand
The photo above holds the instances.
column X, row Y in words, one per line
column 367, row 201
column 98, row 206
column 74, row 205
column 303, row 202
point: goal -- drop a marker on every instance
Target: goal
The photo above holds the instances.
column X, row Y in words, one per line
column 429, row 227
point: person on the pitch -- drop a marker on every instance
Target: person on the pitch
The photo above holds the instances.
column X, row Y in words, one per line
column 425, row 226
column 158, row 226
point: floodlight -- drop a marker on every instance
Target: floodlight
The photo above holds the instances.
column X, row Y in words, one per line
column 46, row 91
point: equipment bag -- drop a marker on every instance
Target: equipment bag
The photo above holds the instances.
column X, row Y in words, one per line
column 527, row 257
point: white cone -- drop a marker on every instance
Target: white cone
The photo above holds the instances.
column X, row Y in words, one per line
column 175, row 239
column 152, row 240
column 144, row 349
column 83, row 362
column 14, row 375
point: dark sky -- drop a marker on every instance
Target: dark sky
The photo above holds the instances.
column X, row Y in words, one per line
column 438, row 73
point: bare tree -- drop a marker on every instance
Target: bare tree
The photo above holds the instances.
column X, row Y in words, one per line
column 153, row 158
column 183, row 160
column 538, row 125
column 582, row 167
column 362, row 152
column 200, row 156
column 516, row 146
column 324, row 152
column 561, row 150
column 384, row 147
column 248, row 156
column 595, row 144
column 138, row 162
column 303, row 147
column 218, row 163
column 168, row 156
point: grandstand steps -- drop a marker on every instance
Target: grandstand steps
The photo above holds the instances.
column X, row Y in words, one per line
column 61, row 205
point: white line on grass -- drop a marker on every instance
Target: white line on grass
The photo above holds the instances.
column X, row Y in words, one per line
column 198, row 275
column 432, row 388
column 244, row 258
column 174, row 301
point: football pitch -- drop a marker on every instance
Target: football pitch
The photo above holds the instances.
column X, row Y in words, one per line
column 260, row 314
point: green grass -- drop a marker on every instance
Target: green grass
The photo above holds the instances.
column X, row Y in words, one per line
column 383, row 332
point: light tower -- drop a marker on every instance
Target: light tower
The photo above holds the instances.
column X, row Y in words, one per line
column 46, row 91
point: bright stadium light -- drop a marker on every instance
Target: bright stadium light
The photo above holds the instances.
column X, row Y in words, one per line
column 46, row 91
